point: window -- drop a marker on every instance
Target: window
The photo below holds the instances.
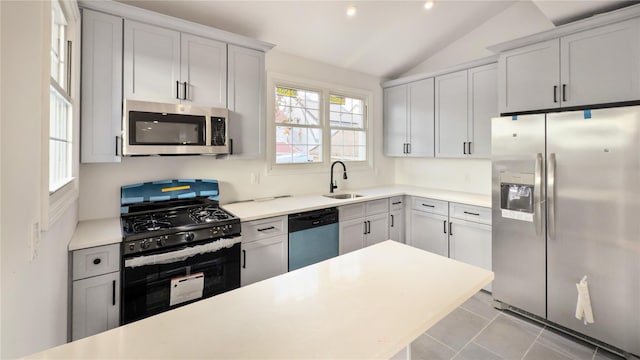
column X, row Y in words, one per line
column 348, row 134
column 60, row 103
column 298, row 126
column 314, row 123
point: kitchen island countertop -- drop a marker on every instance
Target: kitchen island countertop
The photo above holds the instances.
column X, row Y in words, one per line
column 369, row 303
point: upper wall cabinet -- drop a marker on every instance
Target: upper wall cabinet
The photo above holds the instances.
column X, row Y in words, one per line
column 101, row 110
column 246, row 102
column 408, row 119
column 465, row 102
column 596, row 66
column 167, row 66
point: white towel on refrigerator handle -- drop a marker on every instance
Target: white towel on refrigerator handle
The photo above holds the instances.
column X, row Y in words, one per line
column 583, row 307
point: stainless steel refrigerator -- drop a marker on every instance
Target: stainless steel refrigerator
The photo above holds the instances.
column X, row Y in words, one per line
column 566, row 204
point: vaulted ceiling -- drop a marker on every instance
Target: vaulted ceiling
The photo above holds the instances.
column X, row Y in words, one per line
column 384, row 38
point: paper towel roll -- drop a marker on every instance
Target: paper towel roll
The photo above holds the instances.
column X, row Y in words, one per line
column 583, row 306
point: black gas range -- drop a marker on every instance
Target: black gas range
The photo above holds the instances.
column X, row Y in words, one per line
column 175, row 223
column 178, row 246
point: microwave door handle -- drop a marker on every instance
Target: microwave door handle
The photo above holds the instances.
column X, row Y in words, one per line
column 537, row 211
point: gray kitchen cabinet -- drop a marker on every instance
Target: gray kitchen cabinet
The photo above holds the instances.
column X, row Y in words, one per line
column 246, row 102
column 95, row 290
column 465, row 102
column 408, row 119
column 168, row 66
column 101, row 110
column 264, row 249
column 483, row 106
column 595, row 66
column 470, row 235
column 428, row 231
column 363, row 224
column 396, row 218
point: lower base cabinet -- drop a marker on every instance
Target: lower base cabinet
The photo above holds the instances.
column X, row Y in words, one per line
column 95, row 290
column 396, row 218
column 363, row 224
column 429, row 232
column 95, row 305
column 470, row 243
column 264, row 250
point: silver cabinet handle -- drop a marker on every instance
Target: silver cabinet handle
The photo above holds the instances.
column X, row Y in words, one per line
column 537, row 183
column 551, row 196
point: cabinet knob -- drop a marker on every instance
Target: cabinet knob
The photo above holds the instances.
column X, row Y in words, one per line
column 97, row 261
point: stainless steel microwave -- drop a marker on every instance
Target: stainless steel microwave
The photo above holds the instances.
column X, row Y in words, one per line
column 150, row 128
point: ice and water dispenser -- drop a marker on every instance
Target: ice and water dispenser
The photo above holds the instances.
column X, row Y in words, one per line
column 516, row 196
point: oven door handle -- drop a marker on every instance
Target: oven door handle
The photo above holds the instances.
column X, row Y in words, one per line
column 182, row 254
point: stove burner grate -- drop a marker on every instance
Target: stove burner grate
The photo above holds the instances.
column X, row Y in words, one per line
column 207, row 214
column 151, row 222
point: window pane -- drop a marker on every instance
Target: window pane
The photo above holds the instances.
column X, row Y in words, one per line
column 60, row 145
column 346, row 112
column 313, row 117
column 348, row 145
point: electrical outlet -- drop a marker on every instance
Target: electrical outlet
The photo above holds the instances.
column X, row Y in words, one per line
column 255, row 178
column 34, row 240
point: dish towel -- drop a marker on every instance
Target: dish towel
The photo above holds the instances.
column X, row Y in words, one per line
column 583, row 307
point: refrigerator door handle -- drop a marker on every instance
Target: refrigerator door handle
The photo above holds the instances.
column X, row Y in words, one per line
column 551, row 196
column 537, row 212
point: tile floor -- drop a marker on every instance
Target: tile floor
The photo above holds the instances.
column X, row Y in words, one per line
column 477, row 331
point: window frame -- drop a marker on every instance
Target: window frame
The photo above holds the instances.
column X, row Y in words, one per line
column 364, row 128
column 55, row 203
column 325, row 89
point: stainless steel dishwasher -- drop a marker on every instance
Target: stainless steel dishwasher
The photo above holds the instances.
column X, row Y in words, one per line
column 313, row 237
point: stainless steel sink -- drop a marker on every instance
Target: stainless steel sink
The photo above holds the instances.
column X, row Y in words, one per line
column 343, row 196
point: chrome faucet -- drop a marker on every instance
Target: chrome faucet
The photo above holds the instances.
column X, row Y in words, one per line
column 333, row 185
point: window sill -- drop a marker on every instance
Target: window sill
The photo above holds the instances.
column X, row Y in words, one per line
column 58, row 203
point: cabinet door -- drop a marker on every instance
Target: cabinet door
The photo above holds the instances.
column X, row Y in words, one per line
column 429, row 232
column 263, row 259
column 351, row 235
column 421, row 113
column 451, row 114
column 378, row 226
column 151, row 63
column 395, row 120
column 96, row 305
column 204, row 70
column 101, row 110
column 396, row 225
column 246, row 102
column 471, row 243
column 601, row 65
column 483, row 105
column 528, row 77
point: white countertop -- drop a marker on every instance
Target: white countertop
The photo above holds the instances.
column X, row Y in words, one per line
column 369, row 304
column 92, row 233
column 253, row 210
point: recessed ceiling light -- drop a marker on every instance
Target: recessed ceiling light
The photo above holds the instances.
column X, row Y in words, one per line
column 351, row 10
column 428, row 4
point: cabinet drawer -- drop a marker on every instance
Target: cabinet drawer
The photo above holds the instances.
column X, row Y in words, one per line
column 476, row 214
column 349, row 212
column 96, row 261
column 430, row 205
column 264, row 228
column 396, row 203
column 376, row 207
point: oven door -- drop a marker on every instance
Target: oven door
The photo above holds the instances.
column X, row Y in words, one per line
column 160, row 281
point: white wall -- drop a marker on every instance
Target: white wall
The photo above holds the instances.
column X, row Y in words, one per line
column 100, row 185
column 520, row 19
column 33, row 293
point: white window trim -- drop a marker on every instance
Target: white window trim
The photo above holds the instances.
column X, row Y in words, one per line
column 277, row 79
column 55, row 204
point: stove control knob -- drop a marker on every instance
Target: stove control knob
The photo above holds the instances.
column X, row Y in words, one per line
column 159, row 242
column 189, row 236
column 132, row 246
column 144, row 244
